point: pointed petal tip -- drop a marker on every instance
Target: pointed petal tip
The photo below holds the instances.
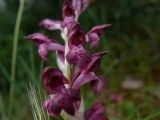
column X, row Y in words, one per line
column 38, row 38
column 101, row 54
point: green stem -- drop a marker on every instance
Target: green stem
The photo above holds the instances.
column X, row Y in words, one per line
column 67, row 65
column 14, row 53
column 67, row 70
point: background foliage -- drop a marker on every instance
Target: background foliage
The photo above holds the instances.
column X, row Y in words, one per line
column 133, row 42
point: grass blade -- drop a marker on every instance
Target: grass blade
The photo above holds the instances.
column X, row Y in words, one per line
column 14, row 53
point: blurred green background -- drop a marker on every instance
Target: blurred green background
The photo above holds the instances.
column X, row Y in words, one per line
column 134, row 57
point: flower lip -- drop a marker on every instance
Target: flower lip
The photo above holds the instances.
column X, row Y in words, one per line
column 75, row 54
column 53, row 80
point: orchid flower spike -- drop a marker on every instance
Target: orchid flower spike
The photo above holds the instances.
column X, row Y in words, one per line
column 77, row 66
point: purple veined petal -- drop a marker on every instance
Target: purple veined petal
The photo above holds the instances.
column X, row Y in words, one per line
column 52, row 107
column 98, row 85
column 51, row 24
column 93, row 35
column 39, row 38
column 82, row 79
column 76, row 36
column 75, row 54
column 68, row 9
column 96, row 112
column 45, row 47
column 53, row 80
column 99, row 29
column 92, row 63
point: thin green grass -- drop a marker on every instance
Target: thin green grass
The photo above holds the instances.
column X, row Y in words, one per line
column 14, row 54
column 27, row 69
column 36, row 103
column 32, row 61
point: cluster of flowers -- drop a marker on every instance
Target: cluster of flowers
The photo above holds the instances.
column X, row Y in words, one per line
column 77, row 66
